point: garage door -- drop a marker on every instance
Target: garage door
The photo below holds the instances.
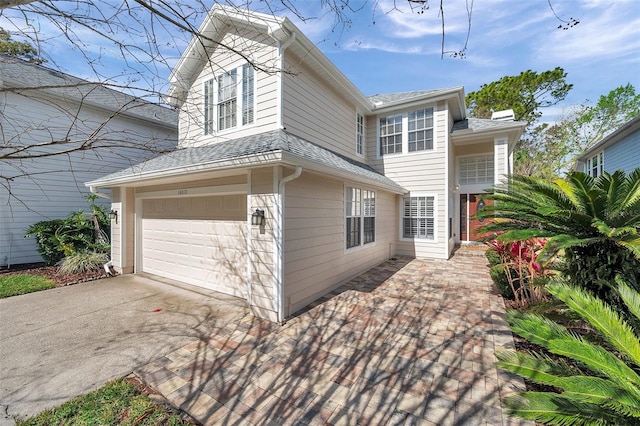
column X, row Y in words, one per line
column 199, row 241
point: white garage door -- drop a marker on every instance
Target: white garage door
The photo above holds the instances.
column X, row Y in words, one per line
column 199, row 241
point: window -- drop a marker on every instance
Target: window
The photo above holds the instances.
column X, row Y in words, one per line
column 359, row 134
column 476, row 169
column 391, row 134
column 418, row 219
column 408, row 132
column 247, row 94
column 369, row 214
column 420, row 130
column 360, row 217
column 208, row 107
column 595, row 165
column 227, row 99
column 229, row 96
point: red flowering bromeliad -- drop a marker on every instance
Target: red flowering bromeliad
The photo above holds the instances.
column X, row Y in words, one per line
column 524, row 271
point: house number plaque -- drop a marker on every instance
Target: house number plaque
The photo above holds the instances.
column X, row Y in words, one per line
column 183, row 191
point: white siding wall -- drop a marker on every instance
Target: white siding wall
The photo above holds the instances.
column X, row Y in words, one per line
column 314, row 111
column 262, row 50
column 52, row 187
column 315, row 257
column 423, row 174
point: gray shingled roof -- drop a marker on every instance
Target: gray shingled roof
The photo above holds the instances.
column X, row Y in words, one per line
column 387, row 98
column 273, row 141
column 479, row 124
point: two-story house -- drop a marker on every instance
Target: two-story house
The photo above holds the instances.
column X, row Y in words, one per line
column 618, row 151
column 288, row 181
column 59, row 131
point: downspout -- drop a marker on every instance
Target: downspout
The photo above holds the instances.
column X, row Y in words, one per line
column 281, row 48
column 280, row 241
column 94, row 191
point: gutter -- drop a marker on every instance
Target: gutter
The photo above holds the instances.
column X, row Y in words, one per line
column 282, row 46
column 95, row 191
column 279, row 242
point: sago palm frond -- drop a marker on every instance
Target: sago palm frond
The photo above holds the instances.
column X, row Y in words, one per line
column 551, row 408
column 601, row 317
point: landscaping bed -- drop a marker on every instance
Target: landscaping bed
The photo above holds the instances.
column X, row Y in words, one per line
column 53, row 273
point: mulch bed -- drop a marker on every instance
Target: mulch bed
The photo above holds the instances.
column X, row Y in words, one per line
column 53, row 273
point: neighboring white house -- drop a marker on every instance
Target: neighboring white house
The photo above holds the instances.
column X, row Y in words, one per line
column 618, row 151
column 39, row 106
column 345, row 181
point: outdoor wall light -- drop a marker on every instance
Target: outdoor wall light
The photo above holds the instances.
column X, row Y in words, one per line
column 257, row 217
column 113, row 215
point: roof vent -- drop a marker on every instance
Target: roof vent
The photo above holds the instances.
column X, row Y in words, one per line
column 506, row 115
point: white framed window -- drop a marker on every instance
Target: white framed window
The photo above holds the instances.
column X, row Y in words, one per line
column 359, row 134
column 227, row 97
column 476, row 169
column 360, row 217
column 420, row 130
column 247, row 94
column 391, row 134
column 418, row 217
column 595, row 165
column 209, row 103
column 409, row 132
column 227, row 100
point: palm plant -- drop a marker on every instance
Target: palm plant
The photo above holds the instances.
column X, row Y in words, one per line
column 594, row 222
column 604, row 388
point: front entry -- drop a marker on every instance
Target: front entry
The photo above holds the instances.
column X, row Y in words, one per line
column 470, row 205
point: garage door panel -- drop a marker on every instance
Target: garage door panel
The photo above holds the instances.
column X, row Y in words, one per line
column 200, row 241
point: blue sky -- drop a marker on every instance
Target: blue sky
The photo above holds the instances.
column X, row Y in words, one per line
column 393, row 49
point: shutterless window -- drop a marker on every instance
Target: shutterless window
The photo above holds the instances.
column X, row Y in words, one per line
column 359, row 134
column 418, row 220
column 353, row 216
column 420, row 127
column 247, row 94
column 369, row 214
column 208, row 107
column 227, row 100
column 391, row 134
column 595, row 165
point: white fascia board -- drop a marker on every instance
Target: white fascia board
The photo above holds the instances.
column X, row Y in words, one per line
column 629, row 127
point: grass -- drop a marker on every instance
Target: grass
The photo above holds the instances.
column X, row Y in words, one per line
column 119, row 402
column 14, row 285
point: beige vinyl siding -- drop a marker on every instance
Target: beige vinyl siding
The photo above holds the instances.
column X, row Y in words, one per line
column 51, row 187
column 263, row 51
column 262, row 245
column 315, row 257
column 423, row 174
column 314, row 111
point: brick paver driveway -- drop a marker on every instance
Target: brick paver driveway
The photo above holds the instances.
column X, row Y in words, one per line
column 409, row 342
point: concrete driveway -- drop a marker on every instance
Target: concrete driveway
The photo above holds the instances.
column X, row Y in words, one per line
column 60, row 343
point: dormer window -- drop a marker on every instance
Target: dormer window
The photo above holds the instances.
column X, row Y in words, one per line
column 229, row 96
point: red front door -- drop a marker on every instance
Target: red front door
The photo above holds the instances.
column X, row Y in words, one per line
column 470, row 205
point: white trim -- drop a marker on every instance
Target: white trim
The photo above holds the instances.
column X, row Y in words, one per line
column 364, row 134
column 278, row 249
column 138, row 267
column 477, row 187
column 249, row 241
column 362, row 245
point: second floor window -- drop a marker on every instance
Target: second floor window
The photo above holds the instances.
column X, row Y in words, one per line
column 595, row 165
column 408, row 132
column 391, row 134
column 359, row 134
column 228, row 97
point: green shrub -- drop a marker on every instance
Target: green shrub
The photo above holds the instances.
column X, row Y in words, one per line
column 77, row 233
column 602, row 387
column 83, row 262
column 501, row 280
